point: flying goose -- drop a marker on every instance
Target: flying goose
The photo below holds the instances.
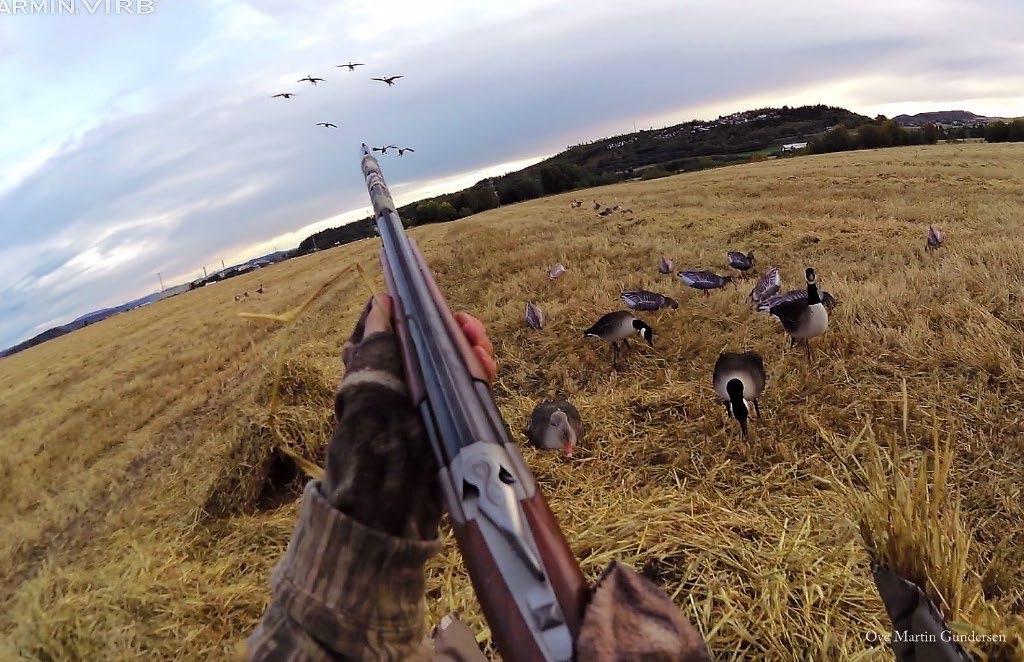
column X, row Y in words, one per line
column 384, row 149
column 741, row 262
column 934, row 238
column 403, row 150
column 766, row 286
column 390, row 80
column 534, row 316
column 555, row 424
column 556, row 271
column 312, row 81
column 665, row 265
column 704, row 280
column 351, row 65
column 619, row 326
column 283, row 95
column 327, row 125
column 646, row 300
column 805, row 319
column 739, row 380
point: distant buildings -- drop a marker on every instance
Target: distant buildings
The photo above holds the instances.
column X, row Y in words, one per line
column 793, row 147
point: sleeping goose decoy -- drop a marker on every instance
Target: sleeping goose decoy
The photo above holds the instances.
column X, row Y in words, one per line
column 556, row 271
column 555, row 424
column 704, row 280
column 934, row 238
column 534, row 316
column 647, row 300
column 805, row 319
column 767, row 285
column 665, row 265
column 619, row 326
column 739, row 380
column 741, row 262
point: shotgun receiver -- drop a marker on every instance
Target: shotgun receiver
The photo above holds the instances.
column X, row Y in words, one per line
column 523, row 571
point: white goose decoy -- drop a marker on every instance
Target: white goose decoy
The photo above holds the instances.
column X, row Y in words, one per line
column 739, row 380
column 767, row 285
column 556, row 271
column 534, row 316
column 803, row 319
column 933, row 238
column 618, row 327
column 555, row 424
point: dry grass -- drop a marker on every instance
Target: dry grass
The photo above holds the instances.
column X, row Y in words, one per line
column 144, row 502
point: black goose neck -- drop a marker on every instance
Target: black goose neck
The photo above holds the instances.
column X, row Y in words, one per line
column 812, row 294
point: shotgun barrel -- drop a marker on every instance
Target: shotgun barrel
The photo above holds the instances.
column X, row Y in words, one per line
column 523, row 572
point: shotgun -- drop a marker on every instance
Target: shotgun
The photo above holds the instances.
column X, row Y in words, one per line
column 523, row 572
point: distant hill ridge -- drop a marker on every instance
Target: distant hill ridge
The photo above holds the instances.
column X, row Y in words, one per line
column 943, row 117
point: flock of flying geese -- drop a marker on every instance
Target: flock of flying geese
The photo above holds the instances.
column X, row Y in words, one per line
column 351, row 66
column 738, row 378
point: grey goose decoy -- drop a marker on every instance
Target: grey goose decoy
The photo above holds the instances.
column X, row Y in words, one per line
column 803, row 319
column 739, row 380
column 555, row 424
column 390, row 80
column 312, row 81
column 604, row 212
column 556, row 271
column 766, row 304
column 534, row 316
column 933, row 238
column 768, row 285
column 741, row 262
column 665, row 265
column 647, row 300
column 704, row 280
column 617, row 327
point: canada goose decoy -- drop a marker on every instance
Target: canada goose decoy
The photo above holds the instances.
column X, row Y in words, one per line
column 556, row 271
column 647, row 300
column 403, row 150
column 283, row 95
column 259, row 290
column 704, row 280
column 619, row 326
column 384, row 149
column 665, row 265
column 934, row 238
column 351, row 65
column 741, row 262
column 312, row 81
column 805, row 319
column 597, row 205
column 327, row 125
column 739, row 380
column 615, row 208
column 766, row 304
column 534, row 316
column 767, row 285
column 605, row 211
column 390, row 80
column 575, row 204
column 555, row 424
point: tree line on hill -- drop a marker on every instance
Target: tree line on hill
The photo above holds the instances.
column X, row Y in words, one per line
column 883, row 132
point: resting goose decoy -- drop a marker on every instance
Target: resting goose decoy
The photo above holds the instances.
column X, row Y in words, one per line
column 933, row 238
column 741, row 262
column 665, row 265
column 805, row 319
column 768, row 285
column 534, row 316
column 556, row 271
column 739, row 380
column 766, row 304
column 618, row 327
column 704, row 280
column 647, row 300
column 555, row 424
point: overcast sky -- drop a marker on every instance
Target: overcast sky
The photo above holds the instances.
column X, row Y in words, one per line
column 137, row 144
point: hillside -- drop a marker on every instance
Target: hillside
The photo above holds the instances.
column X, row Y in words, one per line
column 145, row 503
column 951, row 117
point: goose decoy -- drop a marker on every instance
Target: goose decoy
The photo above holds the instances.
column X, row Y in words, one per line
column 647, row 300
column 605, row 211
column 739, row 380
column 665, row 265
column 575, row 204
column 351, row 65
column 619, row 326
column 767, row 285
column 390, row 80
column 597, row 205
column 327, row 125
column 934, row 238
column 312, row 81
column 283, row 95
column 259, row 290
column 741, row 262
column 804, row 319
column 556, row 271
column 627, row 211
column 403, row 150
column 555, row 424
column 766, row 304
column 534, row 316
column 615, row 208
column 704, row 280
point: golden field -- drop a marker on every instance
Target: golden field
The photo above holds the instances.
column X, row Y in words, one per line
column 143, row 503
